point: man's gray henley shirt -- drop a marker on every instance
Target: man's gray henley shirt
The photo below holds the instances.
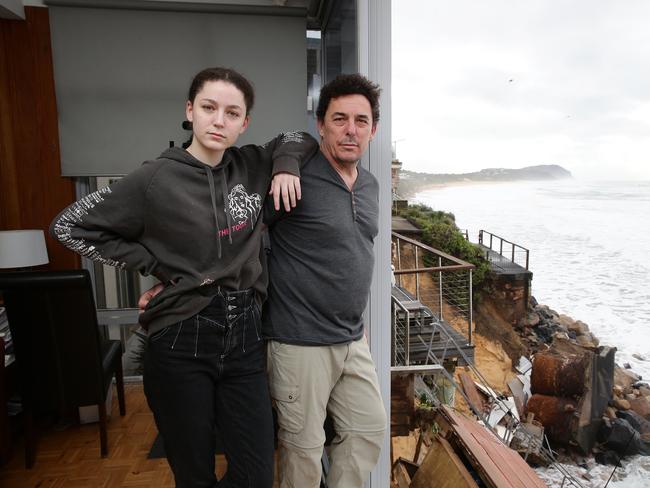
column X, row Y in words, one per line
column 321, row 258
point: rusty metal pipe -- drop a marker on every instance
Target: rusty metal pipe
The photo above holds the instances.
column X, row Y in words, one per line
column 556, row 414
column 559, row 375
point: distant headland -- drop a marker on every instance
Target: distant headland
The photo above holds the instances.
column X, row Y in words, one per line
column 411, row 182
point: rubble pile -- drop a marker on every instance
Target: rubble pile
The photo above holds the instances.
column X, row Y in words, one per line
column 542, row 324
column 625, row 430
column 568, row 369
column 567, row 389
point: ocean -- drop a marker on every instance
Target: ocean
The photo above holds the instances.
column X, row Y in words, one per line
column 589, row 248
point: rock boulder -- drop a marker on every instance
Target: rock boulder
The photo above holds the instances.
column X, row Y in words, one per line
column 641, row 405
column 619, row 436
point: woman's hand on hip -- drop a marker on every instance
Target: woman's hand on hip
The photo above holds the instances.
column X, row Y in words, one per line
column 146, row 297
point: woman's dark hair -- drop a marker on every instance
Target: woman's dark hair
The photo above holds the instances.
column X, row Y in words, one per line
column 223, row 74
column 352, row 84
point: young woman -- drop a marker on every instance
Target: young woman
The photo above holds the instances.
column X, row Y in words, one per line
column 191, row 218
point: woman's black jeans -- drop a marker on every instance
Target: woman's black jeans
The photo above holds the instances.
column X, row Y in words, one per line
column 210, row 371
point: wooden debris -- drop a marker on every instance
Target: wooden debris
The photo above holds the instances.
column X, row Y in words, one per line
column 401, row 477
column 528, row 441
column 442, row 468
column 496, row 464
column 402, row 404
column 475, row 400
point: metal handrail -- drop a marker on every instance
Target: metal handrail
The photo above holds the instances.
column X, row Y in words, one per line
column 501, row 241
column 408, row 328
column 437, row 252
column 455, row 265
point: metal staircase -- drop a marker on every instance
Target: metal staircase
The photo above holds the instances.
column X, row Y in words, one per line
column 422, row 341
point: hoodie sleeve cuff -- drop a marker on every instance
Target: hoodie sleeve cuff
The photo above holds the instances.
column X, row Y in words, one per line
column 286, row 164
column 162, row 276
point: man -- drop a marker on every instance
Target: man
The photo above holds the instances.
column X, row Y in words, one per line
column 320, row 269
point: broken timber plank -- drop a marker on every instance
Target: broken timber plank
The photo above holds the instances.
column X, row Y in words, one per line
column 442, row 468
column 497, row 464
column 402, row 400
column 401, row 477
column 475, row 400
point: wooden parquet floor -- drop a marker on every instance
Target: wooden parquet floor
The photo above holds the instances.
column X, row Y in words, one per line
column 70, row 458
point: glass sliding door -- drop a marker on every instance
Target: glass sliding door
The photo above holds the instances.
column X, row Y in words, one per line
column 340, row 47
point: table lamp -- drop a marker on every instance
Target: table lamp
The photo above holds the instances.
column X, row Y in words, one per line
column 22, row 249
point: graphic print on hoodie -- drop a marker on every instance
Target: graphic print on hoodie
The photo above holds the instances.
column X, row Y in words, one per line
column 243, row 207
column 182, row 220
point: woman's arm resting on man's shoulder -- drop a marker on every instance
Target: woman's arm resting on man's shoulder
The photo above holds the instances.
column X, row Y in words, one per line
column 291, row 150
column 287, row 187
column 282, row 157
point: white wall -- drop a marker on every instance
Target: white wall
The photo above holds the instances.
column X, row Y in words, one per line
column 375, row 62
column 253, row 3
column 138, row 86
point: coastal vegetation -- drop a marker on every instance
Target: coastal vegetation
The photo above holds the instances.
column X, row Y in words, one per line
column 439, row 230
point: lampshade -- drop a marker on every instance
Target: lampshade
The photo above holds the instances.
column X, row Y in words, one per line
column 22, row 248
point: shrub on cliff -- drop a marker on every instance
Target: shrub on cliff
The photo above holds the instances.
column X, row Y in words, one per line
column 439, row 230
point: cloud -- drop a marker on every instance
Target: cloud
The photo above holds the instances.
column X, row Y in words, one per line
column 501, row 83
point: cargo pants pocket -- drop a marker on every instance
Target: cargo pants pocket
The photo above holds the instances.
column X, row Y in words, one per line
column 285, row 390
column 290, row 416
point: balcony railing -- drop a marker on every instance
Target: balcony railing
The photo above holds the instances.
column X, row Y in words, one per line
column 440, row 282
column 507, row 251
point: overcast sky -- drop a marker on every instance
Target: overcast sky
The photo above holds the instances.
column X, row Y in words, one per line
column 505, row 83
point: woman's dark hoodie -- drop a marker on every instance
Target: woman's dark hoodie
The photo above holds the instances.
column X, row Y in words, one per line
column 192, row 226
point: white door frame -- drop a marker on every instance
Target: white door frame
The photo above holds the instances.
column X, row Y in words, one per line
column 374, row 44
